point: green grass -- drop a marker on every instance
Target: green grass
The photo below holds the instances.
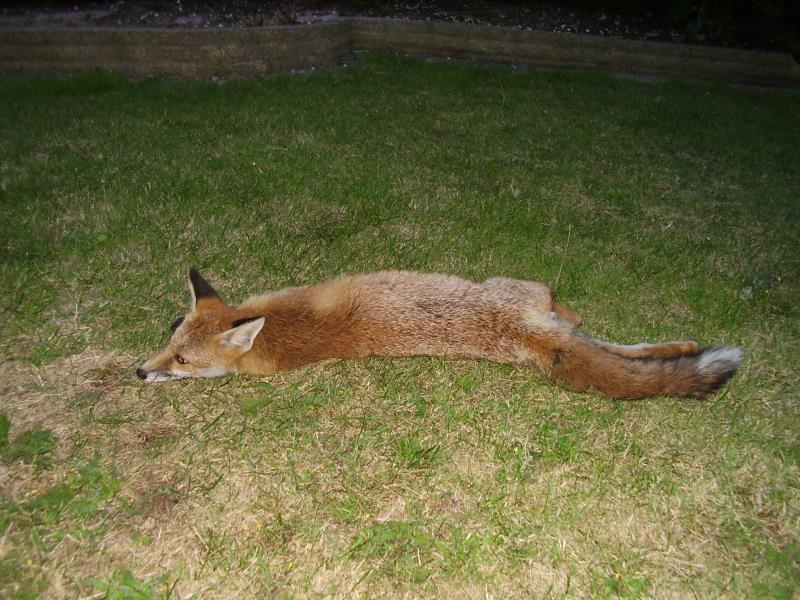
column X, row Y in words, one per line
column 657, row 210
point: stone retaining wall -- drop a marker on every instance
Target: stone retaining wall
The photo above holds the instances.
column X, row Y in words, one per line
column 173, row 52
column 570, row 50
column 257, row 51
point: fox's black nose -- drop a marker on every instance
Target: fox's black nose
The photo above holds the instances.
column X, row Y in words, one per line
column 141, row 373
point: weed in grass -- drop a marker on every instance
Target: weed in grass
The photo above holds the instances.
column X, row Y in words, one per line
column 34, row 445
column 783, row 562
column 19, row 588
column 37, row 526
column 621, row 585
column 402, row 549
column 412, row 453
column 774, row 591
column 418, row 403
column 124, row 585
column 518, row 462
column 254, row 403
column 5, row 427
column 557, row 443
column 278, row 533
column 84, row 495
column 347, row 510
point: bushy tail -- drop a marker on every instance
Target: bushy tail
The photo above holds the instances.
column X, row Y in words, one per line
column 580, row 362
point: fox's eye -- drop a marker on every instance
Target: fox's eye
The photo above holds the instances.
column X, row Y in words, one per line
column 180, row 360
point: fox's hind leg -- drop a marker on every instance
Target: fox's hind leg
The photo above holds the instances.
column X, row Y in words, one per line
column 536, row 295
column 667, row 350
column 566, row 315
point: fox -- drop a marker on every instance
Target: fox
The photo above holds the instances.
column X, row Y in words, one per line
column 403, row 313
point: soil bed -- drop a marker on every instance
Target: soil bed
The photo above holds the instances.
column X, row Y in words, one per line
column 537, row 16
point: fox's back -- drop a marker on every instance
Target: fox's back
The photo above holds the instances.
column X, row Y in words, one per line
column 402, row 313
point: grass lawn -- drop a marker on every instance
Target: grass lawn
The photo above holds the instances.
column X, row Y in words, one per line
column 658, row 210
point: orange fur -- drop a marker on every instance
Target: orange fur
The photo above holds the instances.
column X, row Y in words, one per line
column 396, row 313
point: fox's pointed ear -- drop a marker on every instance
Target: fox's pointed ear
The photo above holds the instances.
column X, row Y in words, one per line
column 200, row 288
column 243, row 336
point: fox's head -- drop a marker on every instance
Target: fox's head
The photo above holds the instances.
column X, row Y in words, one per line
column 209, row 341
